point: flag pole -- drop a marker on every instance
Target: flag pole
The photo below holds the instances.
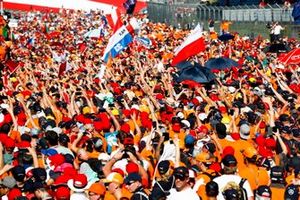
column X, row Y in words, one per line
column 1, row 5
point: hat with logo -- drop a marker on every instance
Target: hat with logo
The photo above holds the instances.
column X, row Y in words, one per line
column 231, row 194
column 163, row 166
column 133, row 177
column 264, row 191
column 181, row 172
column 62, row 193
column 229, row 161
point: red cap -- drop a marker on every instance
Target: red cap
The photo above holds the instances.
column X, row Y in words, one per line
column 260, row 140
column 70, row 171
column 159, row 96
column 228, row 150
column 125, row 128
column 61, row 180
column 23, row 145
column 14, row 193
column 9, row 143
column 214, row 97
column 193, row 133
column 203, row 129
column 216, row 167
column 266, row 153
column 80, row 181
column 270, row 143
column 57, row 159
column 132, row 167
column 223, row 109
column 128, row 141
column 118, row 170
column 262, row 125
column 144, row 115
column 176, row 127
column 62, row 193
column 235, row 136
column 195, row 101
column 126, row 112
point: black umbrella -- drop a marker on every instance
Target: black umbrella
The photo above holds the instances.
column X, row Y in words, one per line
column 226, row 37
column 220, row 63
column 277, row 48
column 194, row 72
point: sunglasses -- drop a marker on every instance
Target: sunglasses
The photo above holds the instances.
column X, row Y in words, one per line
column 130, row 183
column 179, row 177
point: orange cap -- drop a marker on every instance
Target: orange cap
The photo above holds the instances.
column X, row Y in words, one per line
column 97, row 188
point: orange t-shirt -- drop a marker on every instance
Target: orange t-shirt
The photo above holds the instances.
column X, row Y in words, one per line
column 252, row 174
column 277, row 193
column 125, row 193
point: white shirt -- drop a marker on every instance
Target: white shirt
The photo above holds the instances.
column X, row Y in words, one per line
column 187, row 193
column 277, row 29
column 79, row 196
column 224, row 179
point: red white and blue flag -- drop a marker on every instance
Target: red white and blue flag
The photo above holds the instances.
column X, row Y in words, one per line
column 118, row 41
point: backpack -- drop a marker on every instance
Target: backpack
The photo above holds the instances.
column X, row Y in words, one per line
column 243, row 190
column 242, row 193
column 142, row 194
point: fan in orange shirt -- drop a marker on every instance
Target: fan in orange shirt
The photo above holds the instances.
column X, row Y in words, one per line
column 255, row 175
column 114, row 182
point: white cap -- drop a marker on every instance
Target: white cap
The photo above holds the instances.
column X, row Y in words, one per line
column 231, row 89
column 186, row 123
column 202, row 116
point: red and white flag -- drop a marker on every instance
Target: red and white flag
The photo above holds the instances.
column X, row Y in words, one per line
column 114, row 19
column 192, row 45
column 293, row 57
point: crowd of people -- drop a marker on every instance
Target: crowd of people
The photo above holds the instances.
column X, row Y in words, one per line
column 126, row 129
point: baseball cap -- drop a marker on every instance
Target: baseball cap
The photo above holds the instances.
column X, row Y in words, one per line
column 132, row 167
column 291, row 192
column 39, row 174
column 8, row 182
column 263, row 162
column 14, row 193
column 97, row 188
column 163, row 166
column 114, row 177
column 245, row 131
column 229, row 161
column 228, row 150
column 181, row 172
column 212, row 189
column 78, row 183
column 249, row 152
column 49, row 152
column 263, row 191
column 277, row 174
column 133, row 177
column 18, row 173
column 62, row 193
column 231, row 194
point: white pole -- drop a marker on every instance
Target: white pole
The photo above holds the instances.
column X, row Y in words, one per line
column 1, row 4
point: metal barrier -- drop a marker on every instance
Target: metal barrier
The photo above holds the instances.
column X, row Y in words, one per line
column 174, row 13
column 183, row 15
